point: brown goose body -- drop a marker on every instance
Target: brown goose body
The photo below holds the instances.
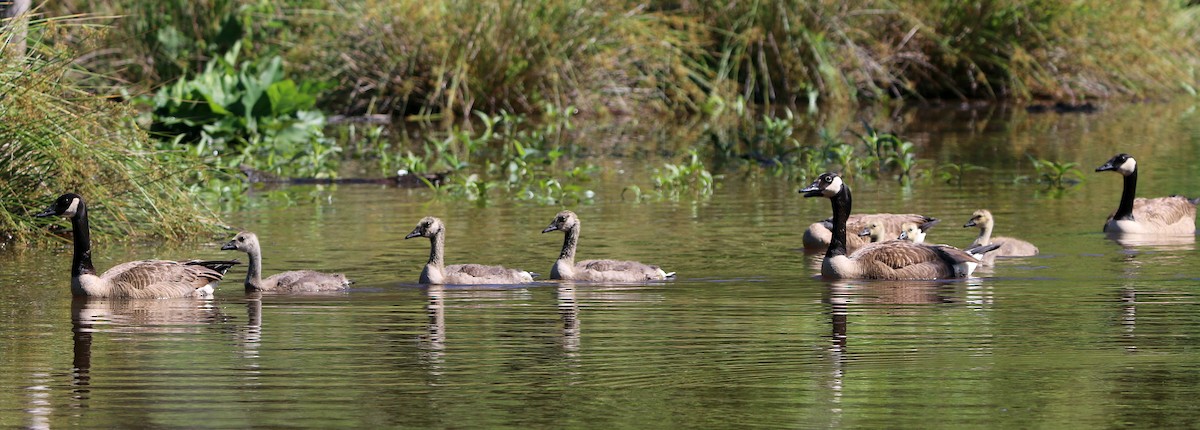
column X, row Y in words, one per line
column 566, row 268
column 437, row 272
column 818, row 235
column 145, row 279
column 1146, row 216
column 893, row 259
column 295, row 281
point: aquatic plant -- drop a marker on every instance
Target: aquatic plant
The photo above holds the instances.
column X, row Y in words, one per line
column 953, row 173
column 58, row 138
column 689, row 176
column 247, row 113
column 1057, row 174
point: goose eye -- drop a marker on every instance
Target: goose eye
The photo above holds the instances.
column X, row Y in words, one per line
column 241, row 239
column 828, row 179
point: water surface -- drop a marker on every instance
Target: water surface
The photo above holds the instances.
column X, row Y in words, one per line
column 1092, row 332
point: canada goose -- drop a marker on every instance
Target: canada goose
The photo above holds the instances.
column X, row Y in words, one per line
column 436, row 272
column 818, row 234
column 295, row 281
column 595, row 270
column 1163, row 215
column 1009, row 247
column 893, row 259
column 136, row 279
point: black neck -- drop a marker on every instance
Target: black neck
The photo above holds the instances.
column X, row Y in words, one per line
column 1125, row 210
column 841, row 214
column 82, row 261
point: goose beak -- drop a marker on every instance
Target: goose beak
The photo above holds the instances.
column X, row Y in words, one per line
column 970, row 223
column 865, row 232
column 414, row 233
column 903, row 235
column 1106, row 166
column 48, row 212
column 812, row 190
column 228, row 246
column 551, row 228
column 926, row 226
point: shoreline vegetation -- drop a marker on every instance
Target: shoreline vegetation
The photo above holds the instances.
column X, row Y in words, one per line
column 142, row 106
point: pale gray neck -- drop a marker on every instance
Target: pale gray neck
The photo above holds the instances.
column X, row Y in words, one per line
column 254, row 272
column 570, row 240
column 437, row 248
column 985, row 233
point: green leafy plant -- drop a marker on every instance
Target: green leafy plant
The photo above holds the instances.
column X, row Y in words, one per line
column 952, row 173
column 247, row 113
column 1057, row 174
column 690, row 176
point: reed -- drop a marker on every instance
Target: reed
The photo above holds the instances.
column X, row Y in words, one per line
column 56, row 137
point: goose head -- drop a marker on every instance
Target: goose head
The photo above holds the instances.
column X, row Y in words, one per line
column 979, row 219
column 244, row 241
column 65, row 206
column 827, row 185
column 916, row 232
column 874, row 230
column 565, row 221
column 428, row 227
column 1122, row 163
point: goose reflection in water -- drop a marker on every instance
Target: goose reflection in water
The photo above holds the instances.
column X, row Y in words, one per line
column 1153, row 242
column 129, row 316
column 568, row 308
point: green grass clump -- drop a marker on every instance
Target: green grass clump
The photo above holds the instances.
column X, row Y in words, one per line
column 57, row 138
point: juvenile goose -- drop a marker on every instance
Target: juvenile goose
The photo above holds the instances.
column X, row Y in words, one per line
column 914, row 232
column 295, row 281
column 1009, row 247
column 818, row 234
column 436, row 272
column 893, row 259
column 595, row 270
column 1164, row 215
column 136, row 279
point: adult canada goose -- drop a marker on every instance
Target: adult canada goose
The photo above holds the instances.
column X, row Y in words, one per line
column 1163, row 215
column 136, row 279
column 595, row 270
column 1009, row 247
column 818, row 234
column 893, row 259
column 436, row 272
column 295, row 281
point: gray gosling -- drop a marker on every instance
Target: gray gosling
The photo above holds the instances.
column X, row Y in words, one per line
column 295, row 281
column 818, row 235
column 891, row 260
column 146, row 279
column 437, row 272
column 566, row 268
column 1009, row 247
column 1175, row 215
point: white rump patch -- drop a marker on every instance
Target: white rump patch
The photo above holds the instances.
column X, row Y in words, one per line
column 1127, row 167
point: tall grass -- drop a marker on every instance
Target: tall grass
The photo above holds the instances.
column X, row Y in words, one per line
column 57, row 138
column 447, row 58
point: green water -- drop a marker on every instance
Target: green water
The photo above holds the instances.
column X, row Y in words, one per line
column 1090, row 333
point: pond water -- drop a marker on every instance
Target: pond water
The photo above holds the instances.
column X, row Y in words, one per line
column 1092, row 332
